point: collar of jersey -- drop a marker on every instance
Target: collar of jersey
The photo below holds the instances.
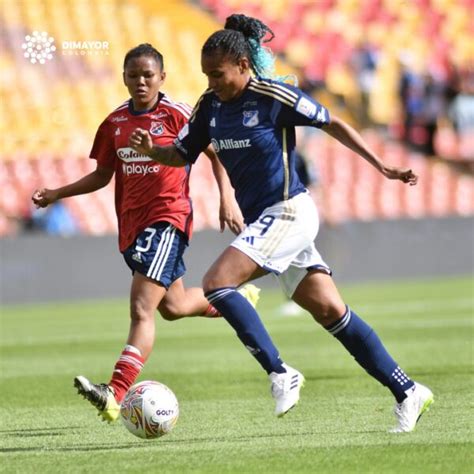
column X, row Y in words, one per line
column 143, row 112
column 235, row 101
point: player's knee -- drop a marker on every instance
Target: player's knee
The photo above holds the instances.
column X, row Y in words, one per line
column 168, row 315
column 327, row 312
column 210, row 282
column 169, row 311
column 139, row 313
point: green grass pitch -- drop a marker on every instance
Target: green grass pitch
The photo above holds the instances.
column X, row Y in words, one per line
column 226, row 423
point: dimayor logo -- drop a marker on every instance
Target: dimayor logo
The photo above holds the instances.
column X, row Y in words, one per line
column 39, row 47
column 86, row 48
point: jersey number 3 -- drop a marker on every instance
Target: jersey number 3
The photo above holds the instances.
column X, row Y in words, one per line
column 147, row 241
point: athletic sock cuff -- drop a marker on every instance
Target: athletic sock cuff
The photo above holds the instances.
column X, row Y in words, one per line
column 219, row 293
column 341, row 324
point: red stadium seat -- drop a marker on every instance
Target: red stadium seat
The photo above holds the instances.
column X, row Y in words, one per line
column 317, row 36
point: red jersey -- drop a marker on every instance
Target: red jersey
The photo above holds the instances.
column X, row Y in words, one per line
column 145, row 191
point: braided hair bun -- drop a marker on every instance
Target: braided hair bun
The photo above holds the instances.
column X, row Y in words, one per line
column 243, row 37
column 251, row 28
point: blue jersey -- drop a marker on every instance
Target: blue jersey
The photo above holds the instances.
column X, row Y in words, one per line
column 254, row 137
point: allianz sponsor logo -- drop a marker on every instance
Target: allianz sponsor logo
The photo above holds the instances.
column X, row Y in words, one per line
column 230, row 144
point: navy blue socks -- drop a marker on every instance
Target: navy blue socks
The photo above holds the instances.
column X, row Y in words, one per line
column 240, row 314
column 367, row 349
column 356, row 336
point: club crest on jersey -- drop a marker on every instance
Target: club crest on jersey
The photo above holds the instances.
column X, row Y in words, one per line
column 250, row 118
column 157, row 128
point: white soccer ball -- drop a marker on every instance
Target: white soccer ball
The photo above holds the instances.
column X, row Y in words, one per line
column 149, row 410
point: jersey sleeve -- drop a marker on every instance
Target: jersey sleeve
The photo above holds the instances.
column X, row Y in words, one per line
column 194, row 138
column 298, row 108
column 103, row 150
column 183, row 115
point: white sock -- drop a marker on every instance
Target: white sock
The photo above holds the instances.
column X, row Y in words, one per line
column 133, row 349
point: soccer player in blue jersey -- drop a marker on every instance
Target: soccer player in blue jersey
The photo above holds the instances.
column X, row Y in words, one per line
column 251, row 120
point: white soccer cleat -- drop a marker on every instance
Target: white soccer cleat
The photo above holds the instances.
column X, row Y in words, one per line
column 410, row 410
column 285, row 389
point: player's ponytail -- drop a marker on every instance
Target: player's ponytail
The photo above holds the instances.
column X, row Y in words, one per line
column 243, row 36
column 261, row 58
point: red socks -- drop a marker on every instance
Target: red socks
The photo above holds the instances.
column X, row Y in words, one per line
column 211, row 312
column 126, row 371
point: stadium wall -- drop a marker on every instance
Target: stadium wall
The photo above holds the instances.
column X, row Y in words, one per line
column 39, row 268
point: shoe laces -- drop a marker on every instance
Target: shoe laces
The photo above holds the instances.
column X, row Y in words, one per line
column 399, row 411
column 278, row 387
column 282, row 383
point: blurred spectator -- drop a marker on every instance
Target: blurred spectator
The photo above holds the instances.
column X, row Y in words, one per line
column 461, row 111
column 424, row 98
column 364, row 62
column 306, row 170
column 54, row 220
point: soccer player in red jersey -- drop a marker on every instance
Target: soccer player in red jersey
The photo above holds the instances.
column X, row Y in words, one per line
column 154, row 218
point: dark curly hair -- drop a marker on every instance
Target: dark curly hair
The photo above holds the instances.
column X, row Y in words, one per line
column 243, row 36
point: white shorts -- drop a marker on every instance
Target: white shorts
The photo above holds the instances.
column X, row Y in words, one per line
column 281, row 241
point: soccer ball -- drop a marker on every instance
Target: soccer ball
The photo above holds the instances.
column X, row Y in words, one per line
column 149, row 410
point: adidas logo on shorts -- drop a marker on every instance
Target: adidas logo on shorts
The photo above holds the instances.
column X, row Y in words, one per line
column 137, row 257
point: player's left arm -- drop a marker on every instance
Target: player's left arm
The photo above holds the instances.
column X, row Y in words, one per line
column 229, row 212
column 349, row 137
column 140, row 140
column 301, row 109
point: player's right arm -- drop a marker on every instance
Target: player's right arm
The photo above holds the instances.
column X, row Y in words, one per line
column 229, row 211
column 103, row 151
column 140, row 140
column 87, row 184
column 192, row 139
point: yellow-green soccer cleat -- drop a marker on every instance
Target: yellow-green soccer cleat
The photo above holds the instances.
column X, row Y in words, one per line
column 410, row 410
column 251, row 293
column 100, row 396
